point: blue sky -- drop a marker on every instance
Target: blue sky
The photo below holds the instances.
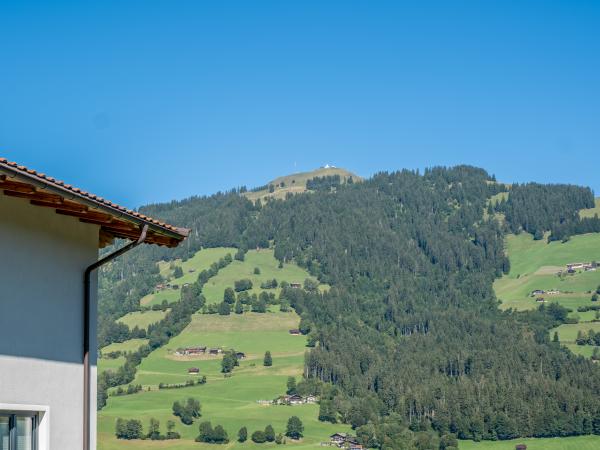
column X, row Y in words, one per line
column 149, row 101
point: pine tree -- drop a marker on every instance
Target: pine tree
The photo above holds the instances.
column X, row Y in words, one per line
column 268, row 360
column 294, row 428
column 269, row 433
column 243, row 434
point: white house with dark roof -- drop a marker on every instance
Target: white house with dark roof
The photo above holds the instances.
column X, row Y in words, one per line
column 50, row 233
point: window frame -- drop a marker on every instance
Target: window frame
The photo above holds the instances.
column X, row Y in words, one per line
column 12, row 427
column 40, row 423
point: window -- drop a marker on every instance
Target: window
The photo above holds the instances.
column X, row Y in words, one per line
column 18, row 431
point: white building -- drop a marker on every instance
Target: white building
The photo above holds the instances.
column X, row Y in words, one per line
column 50, row 233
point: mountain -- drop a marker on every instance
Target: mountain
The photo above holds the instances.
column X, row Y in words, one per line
column 297, row 183
column 408, row 344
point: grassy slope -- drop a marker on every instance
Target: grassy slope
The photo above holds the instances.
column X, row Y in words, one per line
column 142, row 319
column 567, row 443
column 128, row 346
column 110, row 364
column 296, row 183
column 535, row 263
column 200, row 261
column 237, row 270
column 230, row 402
column 592, row 211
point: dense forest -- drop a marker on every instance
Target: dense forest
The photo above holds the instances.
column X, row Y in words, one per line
column 537, row 208
column 410, row 335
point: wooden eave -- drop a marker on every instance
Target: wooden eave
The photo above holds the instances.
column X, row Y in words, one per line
column 114, row 221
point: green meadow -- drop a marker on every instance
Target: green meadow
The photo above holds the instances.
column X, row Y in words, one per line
column 128, row 346
column 534, row 265
column 269, row 268
column 228, row 401
column 110, row 364
column 191, row 268
column 592, row 211
column 564, row 443
column 142, row 319
column 232, row 401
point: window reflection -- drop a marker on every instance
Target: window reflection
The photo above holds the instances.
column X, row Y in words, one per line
column 24, row 433
column 4, row 432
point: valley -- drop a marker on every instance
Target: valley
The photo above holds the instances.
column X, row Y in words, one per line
column 232, row 400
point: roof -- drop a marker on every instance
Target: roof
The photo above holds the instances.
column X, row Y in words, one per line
column 115, row 221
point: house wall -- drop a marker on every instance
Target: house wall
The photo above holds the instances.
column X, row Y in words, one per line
column 43, row 256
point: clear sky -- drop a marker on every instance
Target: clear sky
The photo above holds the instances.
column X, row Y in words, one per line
column 144, row 101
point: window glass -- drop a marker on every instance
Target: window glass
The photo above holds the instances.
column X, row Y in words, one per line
column 4, row 432
column 24, row 433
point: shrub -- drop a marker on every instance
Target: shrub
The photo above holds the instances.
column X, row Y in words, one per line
column 129, row 429
column 242, row 285
column 259, row 437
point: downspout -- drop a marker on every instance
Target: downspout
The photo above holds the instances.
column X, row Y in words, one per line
column 86, row 331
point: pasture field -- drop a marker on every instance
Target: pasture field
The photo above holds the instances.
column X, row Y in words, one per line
column 237, row 270
column 231, row 402
column 565, row 443
column 128, row 346
column 191, row 268
column 529, row 255
column 110, row 364
column 228, row 401
column 592, row 211
column 142, row 319
column 534, row 265
column 583, row 350
column 567, row 333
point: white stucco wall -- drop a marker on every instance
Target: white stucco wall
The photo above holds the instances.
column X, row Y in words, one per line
column 43, row 256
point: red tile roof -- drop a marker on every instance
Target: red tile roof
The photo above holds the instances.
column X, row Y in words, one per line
column 40, row 181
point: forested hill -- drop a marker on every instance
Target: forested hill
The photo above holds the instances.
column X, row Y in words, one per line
column 410, row 332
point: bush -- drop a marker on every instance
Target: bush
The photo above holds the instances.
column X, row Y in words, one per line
column 224, row 309
column 218, row 435
column 259, row 437
column 129, row 429
column 242, row 285
column 229, row 362
column 229, row 296
column 170, row 433
column 240, row 255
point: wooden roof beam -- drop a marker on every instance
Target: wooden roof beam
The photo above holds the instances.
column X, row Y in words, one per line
column 97, row 216
column 63, row 206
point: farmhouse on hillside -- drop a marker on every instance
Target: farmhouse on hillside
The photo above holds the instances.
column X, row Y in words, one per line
column 344, row 440
column 295, row 285
column 193, row 370
column 50, row 233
